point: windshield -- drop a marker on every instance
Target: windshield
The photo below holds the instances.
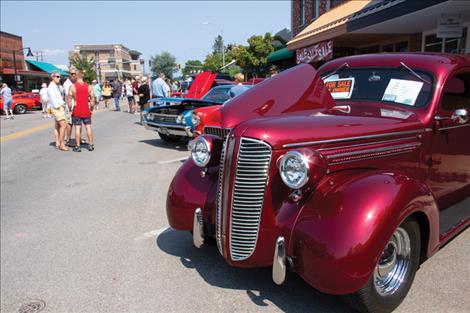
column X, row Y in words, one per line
column 217, row 94
column 390, row 85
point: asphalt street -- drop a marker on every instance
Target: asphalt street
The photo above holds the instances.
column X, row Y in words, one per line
column 87, row 232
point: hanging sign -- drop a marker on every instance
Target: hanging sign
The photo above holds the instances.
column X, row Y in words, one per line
column 449, row 26
column 319, row 52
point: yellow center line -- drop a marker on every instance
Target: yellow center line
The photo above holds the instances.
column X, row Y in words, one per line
column 33, row 130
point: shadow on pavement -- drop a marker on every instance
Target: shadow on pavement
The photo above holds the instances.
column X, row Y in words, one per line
column 294, row 296
column 179, row 146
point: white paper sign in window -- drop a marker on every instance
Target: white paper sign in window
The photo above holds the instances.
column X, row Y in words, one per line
column 402, row 91
column 340, row 88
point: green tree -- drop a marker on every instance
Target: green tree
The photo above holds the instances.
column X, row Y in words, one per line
column 213, row 62
column 191, row 65
column 253, row 58
column 81, row 63
column 164, row 63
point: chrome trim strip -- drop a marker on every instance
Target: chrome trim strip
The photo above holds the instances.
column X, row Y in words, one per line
column 308, row 143
column 452, row 127
column 226, row 185
column 374, row 150
column 165, row 125
column 366, row 144
column 372, row 157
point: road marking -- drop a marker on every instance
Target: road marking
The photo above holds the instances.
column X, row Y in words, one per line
column 25, row 132
column 151, row 234
column 172, row 161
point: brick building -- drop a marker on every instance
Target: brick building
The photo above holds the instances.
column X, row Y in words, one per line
column 325, row 29
column 112, row 61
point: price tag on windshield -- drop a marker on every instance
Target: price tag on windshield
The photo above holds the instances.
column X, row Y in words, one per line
column 402, row 91
column 340, row 88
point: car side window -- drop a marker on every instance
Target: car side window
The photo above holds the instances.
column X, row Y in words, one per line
column 456, row 93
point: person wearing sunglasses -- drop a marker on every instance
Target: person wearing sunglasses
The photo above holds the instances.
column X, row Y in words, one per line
column 57, row 105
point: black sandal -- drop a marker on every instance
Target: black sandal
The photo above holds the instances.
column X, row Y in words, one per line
column 77, row 149
column 91, row 147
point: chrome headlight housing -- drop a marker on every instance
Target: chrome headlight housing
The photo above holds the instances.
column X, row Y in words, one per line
column 200, row 151
column 293, row 167
column 195, row 119
column 179, row 118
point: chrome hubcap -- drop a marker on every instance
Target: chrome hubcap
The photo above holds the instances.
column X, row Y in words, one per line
column 394, row 263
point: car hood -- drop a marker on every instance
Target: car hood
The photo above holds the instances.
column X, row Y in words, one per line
column 297, row 90
column 321, row 126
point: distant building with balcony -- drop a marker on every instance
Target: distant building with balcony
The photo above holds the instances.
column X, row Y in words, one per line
column 112, row 61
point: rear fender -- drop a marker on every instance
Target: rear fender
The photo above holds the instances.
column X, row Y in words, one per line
column 341, row 231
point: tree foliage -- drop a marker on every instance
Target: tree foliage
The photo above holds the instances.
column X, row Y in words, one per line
column 191, row 65
column 213, row 62
column 164, row 63
column 218, row 44
column 253, row 58
column 81, row 63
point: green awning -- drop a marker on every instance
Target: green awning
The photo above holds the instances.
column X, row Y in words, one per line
column 47, row 67
column 280, row 54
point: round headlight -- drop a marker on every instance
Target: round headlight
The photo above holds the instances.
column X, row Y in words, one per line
column 195, row 119
column 201, row 151
column 179, row 118
column 293, row 167
column 148, row 116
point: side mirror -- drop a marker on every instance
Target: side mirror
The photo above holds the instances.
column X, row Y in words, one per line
column 460, row 116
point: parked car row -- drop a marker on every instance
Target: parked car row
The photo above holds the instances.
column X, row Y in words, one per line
column 351, row 176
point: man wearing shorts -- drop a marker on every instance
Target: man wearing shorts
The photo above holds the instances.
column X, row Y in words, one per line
column 57, row 104
column 5, row 92
column 80, row 92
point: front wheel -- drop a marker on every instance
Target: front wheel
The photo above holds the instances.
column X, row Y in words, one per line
column 393, row 274
column 20, row 109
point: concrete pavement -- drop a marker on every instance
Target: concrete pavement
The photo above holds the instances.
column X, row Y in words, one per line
column 87, row 232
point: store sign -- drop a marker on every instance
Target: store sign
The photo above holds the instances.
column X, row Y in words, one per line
column 319, row 52
column 449, row 26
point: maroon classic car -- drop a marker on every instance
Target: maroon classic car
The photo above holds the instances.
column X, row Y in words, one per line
column 351, row 176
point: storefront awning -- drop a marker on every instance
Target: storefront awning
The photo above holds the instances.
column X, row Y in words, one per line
column 280, row 54
column 329, row 25
column 47, row 67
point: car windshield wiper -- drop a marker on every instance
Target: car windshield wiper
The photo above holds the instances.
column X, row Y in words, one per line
column 335, row 71
column 414, row 73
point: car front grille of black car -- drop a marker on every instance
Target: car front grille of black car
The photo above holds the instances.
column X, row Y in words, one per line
column 162, row 118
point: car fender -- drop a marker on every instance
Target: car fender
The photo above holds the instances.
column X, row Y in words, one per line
column 341, row 231
column 190, row 190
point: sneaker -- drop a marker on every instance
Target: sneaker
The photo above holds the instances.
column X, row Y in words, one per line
column 12, row 117
column 77, row 149
column 91, row 147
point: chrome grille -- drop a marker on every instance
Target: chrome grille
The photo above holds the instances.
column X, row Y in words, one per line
column 218, row 226
column 216, row 131
column 254, row 157
column 165, row 118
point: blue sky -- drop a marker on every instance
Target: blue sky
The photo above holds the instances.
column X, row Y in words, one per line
column 147, row 26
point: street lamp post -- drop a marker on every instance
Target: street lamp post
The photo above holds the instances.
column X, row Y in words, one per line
column 222, row 36
column 29, row 54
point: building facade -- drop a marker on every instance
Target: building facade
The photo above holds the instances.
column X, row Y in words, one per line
column 327, row 29
column 113, row 61
column 13, row 69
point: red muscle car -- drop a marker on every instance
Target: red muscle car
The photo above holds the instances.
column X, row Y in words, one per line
column 23, row 102
column 351, row 176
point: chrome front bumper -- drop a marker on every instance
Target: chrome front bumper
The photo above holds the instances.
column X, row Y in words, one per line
column 169, row 129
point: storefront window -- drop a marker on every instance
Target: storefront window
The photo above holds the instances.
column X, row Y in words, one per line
column 387, row 48
column 401, row 46
column 432, row 43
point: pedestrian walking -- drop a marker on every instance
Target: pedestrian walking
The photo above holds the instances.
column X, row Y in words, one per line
column 57, row 104
column 144, row 96
column 107, row 93
column 80, row 92
column 160, row 88
column 117, row 92
column 239, row 88
column 97, row 93
column 129, row 96
column 68, row 112
column 5, row 92
column 44, row 101
column 135, row 92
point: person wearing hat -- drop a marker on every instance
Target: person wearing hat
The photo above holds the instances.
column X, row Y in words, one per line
column 44, row 101
column 97, row 93
column 144, row 95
